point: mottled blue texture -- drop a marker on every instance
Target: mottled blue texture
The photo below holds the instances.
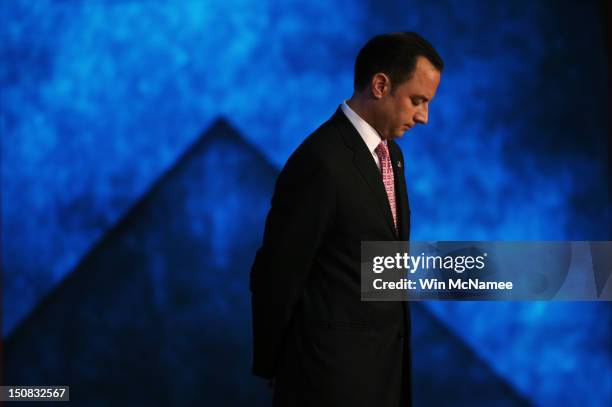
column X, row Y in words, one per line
column 100, row 98
column 556, row 353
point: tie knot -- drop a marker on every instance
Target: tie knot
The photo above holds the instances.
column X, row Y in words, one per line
column 382, row 151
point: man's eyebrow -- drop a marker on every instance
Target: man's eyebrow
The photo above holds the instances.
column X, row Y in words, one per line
column 422, row 97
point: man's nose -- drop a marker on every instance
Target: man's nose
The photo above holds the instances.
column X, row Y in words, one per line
column 421, row 116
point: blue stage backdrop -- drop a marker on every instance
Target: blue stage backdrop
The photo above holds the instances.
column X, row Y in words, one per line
column 141, row 141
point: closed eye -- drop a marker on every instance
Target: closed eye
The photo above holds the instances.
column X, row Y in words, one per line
column 417, row 100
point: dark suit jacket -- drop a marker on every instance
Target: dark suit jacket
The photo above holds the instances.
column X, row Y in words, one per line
column 310, row 330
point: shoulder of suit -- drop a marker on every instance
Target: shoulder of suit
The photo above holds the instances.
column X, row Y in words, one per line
column 325, row 142
column 324, row 147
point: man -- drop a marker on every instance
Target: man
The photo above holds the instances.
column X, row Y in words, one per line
column 313, row 337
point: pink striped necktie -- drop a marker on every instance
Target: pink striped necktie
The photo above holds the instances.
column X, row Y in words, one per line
column 382, row 151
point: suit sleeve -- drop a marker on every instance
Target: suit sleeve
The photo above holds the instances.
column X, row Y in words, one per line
column 300, row 216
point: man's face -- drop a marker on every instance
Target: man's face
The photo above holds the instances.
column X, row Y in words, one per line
column 408, row 104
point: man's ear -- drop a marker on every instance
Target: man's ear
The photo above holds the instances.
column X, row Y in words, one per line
column 381, row 85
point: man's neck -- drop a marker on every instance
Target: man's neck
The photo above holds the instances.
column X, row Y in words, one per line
column 363, row 108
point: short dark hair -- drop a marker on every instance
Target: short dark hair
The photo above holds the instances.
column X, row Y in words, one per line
column 394, row 54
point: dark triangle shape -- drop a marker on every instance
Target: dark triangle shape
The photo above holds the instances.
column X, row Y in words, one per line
column 159, row 311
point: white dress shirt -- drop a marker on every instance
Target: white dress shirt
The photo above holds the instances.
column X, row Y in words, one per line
column 369, row 135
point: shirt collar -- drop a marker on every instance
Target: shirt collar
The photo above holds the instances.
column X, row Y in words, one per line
column 368, row 133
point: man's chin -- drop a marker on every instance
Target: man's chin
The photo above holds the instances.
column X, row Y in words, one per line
column 400, row 133
column 392, row 135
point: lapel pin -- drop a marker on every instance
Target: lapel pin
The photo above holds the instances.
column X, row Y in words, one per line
column 399, row 164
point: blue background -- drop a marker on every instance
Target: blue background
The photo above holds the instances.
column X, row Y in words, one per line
column 141, row 141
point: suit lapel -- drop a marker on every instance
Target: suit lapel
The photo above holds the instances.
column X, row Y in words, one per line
column 364, row 162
